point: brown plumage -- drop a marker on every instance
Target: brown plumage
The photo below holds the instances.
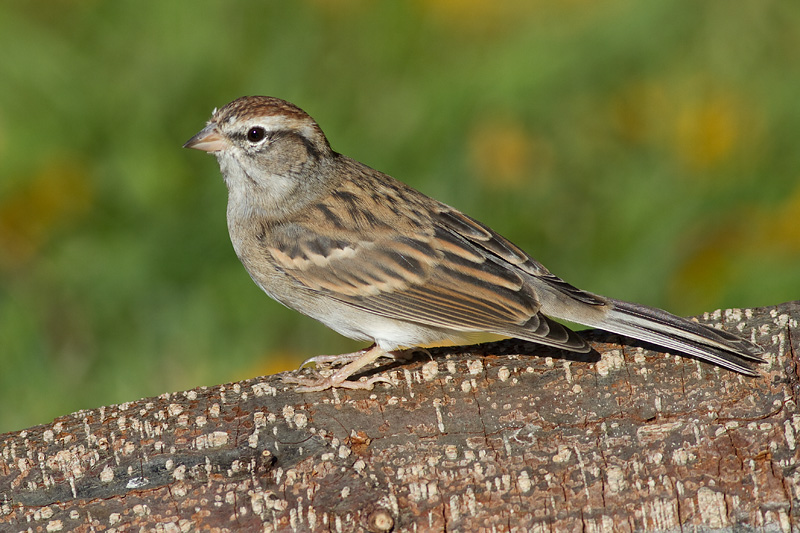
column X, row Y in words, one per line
column 376, row 260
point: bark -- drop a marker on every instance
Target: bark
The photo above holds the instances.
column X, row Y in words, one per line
column 496, row 437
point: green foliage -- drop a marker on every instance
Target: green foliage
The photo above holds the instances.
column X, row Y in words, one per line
column 641, row 150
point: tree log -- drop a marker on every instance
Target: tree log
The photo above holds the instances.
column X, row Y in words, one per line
column 503, row 436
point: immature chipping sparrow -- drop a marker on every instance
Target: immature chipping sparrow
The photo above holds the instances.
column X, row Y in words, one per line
column 376, row 260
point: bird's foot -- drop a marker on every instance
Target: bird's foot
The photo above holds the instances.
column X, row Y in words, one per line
column 353, row 362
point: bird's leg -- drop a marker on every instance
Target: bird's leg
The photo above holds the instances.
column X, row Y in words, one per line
column 354, row 362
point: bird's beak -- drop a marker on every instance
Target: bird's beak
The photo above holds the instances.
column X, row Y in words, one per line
column 209, row 139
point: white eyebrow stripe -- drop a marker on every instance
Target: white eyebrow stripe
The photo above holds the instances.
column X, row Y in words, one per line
column 277, row 123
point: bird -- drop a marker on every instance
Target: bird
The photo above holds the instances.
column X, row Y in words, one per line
column 376, row 260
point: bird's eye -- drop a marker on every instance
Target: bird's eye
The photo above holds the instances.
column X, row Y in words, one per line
column 256, row 134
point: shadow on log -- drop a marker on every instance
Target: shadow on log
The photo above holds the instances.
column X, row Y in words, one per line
column 501, row 436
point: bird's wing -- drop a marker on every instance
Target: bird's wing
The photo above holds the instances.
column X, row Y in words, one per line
column 439, row 268
column 493, row 244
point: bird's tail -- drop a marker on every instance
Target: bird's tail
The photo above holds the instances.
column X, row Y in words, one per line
column 664, row 329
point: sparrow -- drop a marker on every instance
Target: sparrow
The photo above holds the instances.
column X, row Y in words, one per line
column 376, row 260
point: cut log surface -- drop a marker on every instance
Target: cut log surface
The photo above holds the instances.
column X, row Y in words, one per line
column 505, row 436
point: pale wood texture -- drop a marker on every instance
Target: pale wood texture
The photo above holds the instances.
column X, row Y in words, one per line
column 502, row 436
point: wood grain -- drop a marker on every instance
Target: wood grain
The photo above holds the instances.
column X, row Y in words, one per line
column 506, row 436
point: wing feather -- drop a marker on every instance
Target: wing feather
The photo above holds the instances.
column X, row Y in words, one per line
column 447, row 271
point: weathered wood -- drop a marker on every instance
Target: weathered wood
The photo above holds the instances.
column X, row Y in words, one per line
column 501, row 436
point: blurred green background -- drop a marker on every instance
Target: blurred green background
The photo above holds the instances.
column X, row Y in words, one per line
column 643, row 150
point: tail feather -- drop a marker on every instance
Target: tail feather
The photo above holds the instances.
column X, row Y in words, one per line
column 667, row 330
